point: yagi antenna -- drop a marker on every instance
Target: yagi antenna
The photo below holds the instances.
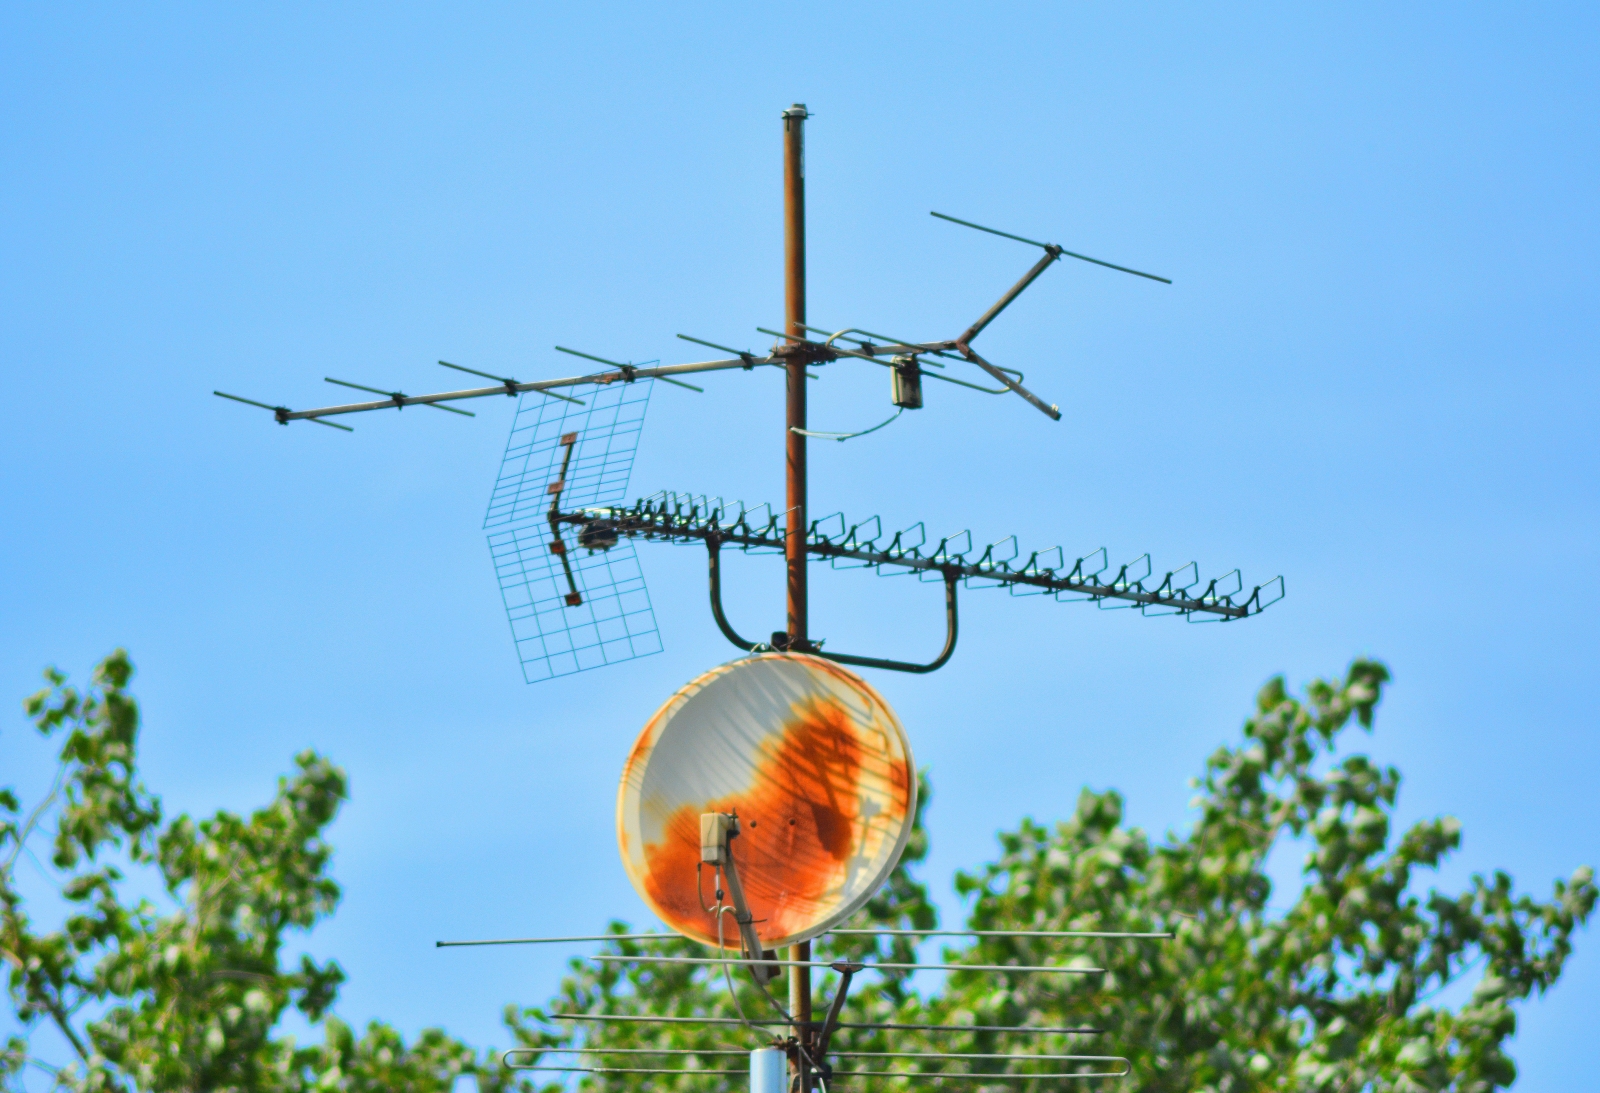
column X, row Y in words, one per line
column 562, row 533
column 903, row 357
column 812, row 1042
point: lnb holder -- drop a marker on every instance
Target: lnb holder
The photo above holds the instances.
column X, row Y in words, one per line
column 717, row 832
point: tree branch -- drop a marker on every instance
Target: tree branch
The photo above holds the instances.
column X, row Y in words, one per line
column 62, row 1022
column 33, row 817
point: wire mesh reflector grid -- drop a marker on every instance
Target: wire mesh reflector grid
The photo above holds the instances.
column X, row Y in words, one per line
column 543, row 570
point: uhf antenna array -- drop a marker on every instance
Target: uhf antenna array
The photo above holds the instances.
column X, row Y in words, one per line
column 807, row 1046
column 954, row 560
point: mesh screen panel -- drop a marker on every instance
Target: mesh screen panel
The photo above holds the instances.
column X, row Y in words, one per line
column 612, row 620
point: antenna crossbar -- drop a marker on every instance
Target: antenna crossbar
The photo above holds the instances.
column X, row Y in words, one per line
column 836, row 965
column 650, row 1019
column 937, row 1076
column 620, row 375
column 1164, row 935
column 556, row 940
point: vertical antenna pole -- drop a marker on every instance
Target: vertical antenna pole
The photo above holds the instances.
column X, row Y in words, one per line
column 794, row 268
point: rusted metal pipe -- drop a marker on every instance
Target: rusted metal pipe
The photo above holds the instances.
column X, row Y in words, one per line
column 794, row 268
column 796, row 523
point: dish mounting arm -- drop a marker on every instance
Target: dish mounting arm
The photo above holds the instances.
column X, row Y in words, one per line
column 717, row 830
column 952, row 629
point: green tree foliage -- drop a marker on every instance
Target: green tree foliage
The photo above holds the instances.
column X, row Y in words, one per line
column 185, row 997
column 1334, row 994
column 1339, row 992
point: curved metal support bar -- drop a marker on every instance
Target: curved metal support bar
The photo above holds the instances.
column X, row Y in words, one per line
column 951, row 631
column 714, row 550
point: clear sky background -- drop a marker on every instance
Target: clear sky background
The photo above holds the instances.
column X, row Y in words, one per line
column 1374, row 374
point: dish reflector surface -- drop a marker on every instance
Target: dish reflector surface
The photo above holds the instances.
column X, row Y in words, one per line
column 819, row 770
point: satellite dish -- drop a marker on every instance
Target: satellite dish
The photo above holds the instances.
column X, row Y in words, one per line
column 818, row 769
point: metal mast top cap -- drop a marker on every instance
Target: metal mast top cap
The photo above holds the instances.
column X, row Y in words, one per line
column 798, row 110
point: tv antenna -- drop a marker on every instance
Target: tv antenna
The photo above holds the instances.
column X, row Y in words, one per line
column 562, row 534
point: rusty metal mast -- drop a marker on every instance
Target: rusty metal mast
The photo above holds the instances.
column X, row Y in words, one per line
column 794, row 443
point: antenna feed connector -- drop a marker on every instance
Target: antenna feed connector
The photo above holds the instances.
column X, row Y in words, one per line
column 906, row 378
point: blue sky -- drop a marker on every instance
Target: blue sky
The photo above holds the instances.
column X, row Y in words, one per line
column 1374, row 374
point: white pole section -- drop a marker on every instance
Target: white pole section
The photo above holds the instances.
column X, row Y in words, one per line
column 769, row 1070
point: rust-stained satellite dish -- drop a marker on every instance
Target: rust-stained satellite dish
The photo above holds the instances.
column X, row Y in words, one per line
column 816, row 765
